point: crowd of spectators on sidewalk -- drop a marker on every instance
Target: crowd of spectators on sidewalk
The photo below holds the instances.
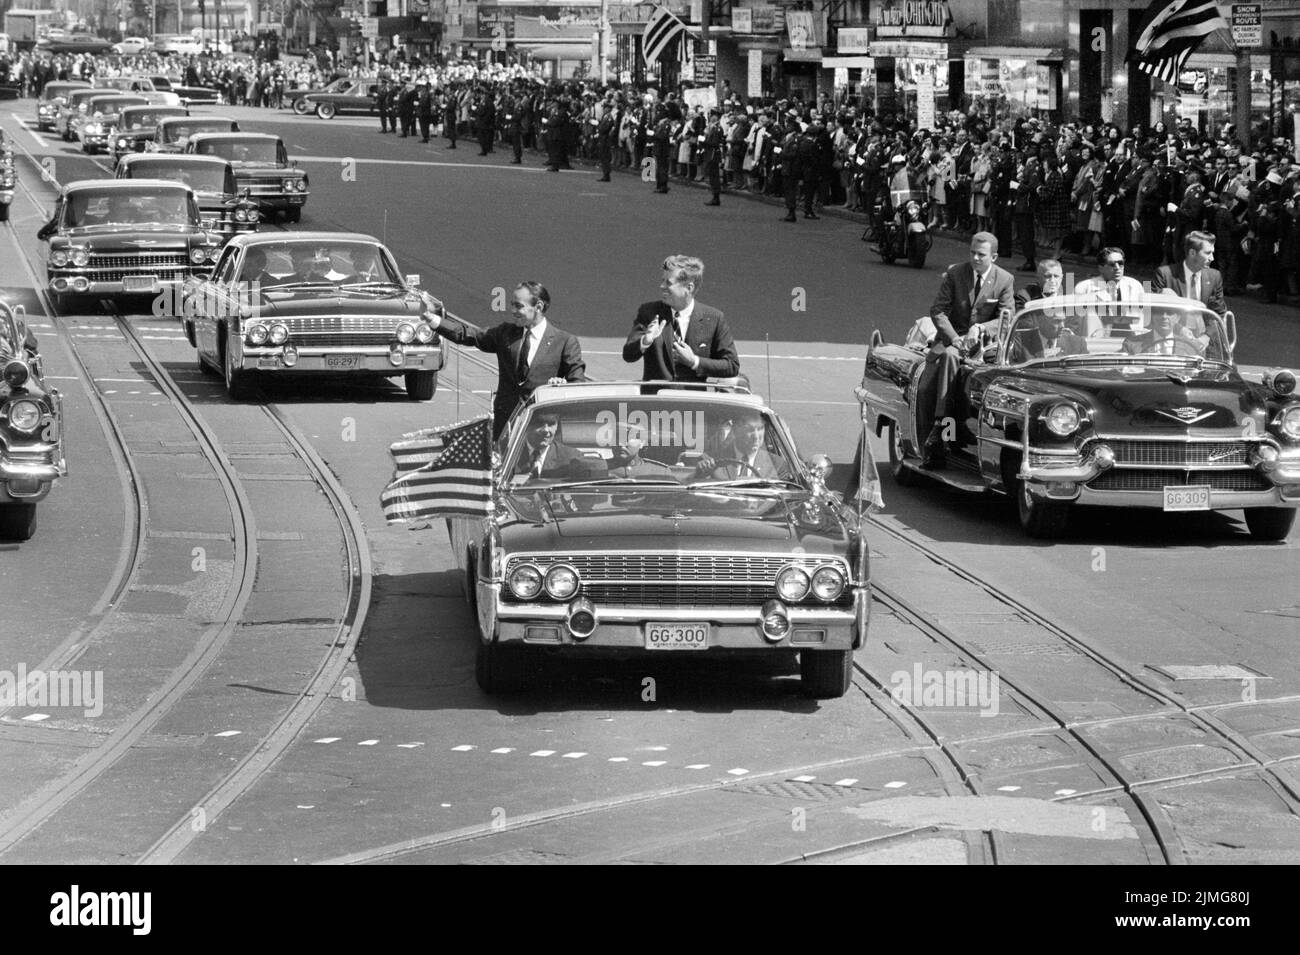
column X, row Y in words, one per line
column 1042, row 189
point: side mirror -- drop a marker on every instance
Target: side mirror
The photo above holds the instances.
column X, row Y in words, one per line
column 413, row 280
column 1230, row 321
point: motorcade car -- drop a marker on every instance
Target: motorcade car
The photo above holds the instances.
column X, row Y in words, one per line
column 51, row 99
column 174, row 132
column 72, row 111
column 223, row 207
column 630, row 519
column 8, row 176
column 31, row 428
column 295, row 98
column 262, row 166
column 140, row 85
column 123, row 237
column 137, row 126
column 351, row 96
column 285, row 304
column 1080, row 402
column 96, row 127
column 188, row 95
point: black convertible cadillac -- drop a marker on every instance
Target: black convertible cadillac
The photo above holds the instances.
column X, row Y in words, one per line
column 1083, row 402
column 31, row 428
column 635, row 519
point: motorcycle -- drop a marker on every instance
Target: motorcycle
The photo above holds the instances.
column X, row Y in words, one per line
column 905, row 235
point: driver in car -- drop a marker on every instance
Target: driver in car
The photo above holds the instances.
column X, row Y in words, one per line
column 254, row 273
column 1168, row 336
column 628, row 463
column 744, row 456
column 543, row 455
column 309, row 265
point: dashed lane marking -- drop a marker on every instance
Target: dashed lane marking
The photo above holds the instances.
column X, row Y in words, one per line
column 797, row 779
column 654, row 762
column 328, row 739
column 543, row 752
column 1008, row 789
column 738, row 772
column 698, row 766
column 501, row 751
column 228, row 733
column 896, row 784
column 408, row 745
column 463, row 748
column 844, row 782
column 36, row 717
column 40, row 140
column 368, row 742
column 573, row 756
column 617, row 759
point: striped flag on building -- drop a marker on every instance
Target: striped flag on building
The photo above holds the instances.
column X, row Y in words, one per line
column 441, row 472
column 661, row 29
column 1170, row 31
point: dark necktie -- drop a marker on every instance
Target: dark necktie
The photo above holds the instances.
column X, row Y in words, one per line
column 975, row 292
column 521, row 368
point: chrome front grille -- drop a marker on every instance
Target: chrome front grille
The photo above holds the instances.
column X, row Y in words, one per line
column 1179, row 454
column 140, row 261
column 1155, row 479
column 343, row 340
column 678, row 580
column 263, row 185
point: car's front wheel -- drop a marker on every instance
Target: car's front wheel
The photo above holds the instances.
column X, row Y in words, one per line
column 421, row 385
column 917, row 247
column 1270, row 523
column 301, row 106
column 500, row 667
column 238, row 381
column 825, row 674
column 1040, row 519
column 325, row 110
column 17, row 521
column 903, row 475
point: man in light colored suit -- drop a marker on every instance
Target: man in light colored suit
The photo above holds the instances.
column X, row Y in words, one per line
column 681, row 339
column 972, row 295
column 530, row 350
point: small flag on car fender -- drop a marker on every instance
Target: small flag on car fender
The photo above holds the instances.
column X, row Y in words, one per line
column 868, row 476
column 441, row 472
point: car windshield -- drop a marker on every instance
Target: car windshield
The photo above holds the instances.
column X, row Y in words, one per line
column 650, row 439
column 1080, row 328
column 126, row 207
column 144, row 119
column 161, row 83
column 201, row 177
column 55, row 91
column 240, row 150
column 299, row 263
column 176, row 131
column 109, row 106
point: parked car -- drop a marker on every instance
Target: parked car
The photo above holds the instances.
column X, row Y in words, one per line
column 53, row 95
column 96, row 127
column 178, row 45
column 173, row 132
column 1140, row 405
column 313, row 302
column 223, row 207
column 112, row 237
column 132, row 46
column 137, row 126
column 630, row 520
column 262, row 166
column 31, row 428
column 73, row 43
column 352, row 96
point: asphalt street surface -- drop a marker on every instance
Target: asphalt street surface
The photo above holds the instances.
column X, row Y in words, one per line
column 212, row 565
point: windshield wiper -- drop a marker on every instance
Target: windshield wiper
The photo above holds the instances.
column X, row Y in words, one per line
column 351, row 286
column 606, row 482
column 288, row 285
column 746, row 484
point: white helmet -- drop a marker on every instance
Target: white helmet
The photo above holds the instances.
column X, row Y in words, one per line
column 900, row 160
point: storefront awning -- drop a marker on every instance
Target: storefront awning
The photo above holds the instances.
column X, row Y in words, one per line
column 1015, row 53
column 810, row 54
column 556, row 51
column 909, row 49
column 848, row 62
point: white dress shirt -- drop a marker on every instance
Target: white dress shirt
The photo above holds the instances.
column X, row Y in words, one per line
column 533, row 339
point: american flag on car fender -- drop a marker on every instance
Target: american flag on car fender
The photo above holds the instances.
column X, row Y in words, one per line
column 441, row 472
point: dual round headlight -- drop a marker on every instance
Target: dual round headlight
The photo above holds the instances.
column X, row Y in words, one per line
column 406, row 333
column 241, row 215
column 826, row 583
column 259, row 334
column 560, row 581
column 25, row 415
column 198, row 255
column 58, row 258
column 1289, row 422
column 80, row 258
column 424, row 333
column 1062, row 419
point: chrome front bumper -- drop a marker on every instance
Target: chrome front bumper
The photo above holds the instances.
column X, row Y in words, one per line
column 117, row 287
column 731, row 628
column 340, row 360
column 30, row 482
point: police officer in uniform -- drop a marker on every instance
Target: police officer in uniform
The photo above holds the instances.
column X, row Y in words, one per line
column 791, row 167
column 553, row 132
column 406, row 107
column 607, row 135
column 450, row 113
column 384, row 103
column 662, row 146
column 424, row 106
column 714, row 141
column 512, row 124
column 487, row 123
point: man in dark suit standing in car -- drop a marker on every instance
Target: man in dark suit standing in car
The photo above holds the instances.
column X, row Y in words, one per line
column 972, row 293
column 530, row 350
column 680, row 338
column 1193, row 278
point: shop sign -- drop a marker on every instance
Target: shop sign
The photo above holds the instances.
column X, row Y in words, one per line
column 853, row 40
column 912, row 51
column 759, row 18
column 925, row 103
column 706, row 69
column 754, row 84
column 370, row 27
column 1247, row 25
column 807, row 30
column 914, row 18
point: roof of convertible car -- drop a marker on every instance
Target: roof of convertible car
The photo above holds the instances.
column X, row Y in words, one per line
column 111, row 185
column 202, row 137
column 281, row 238
column 550, row 394
column 143, row 159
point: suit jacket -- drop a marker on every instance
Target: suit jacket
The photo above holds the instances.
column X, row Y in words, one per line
column 558, row 356
column 1171, row 277
column 558, row 459
column 954, row 310
column 1028, row 344
column 707, row 334
column 765, row 466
